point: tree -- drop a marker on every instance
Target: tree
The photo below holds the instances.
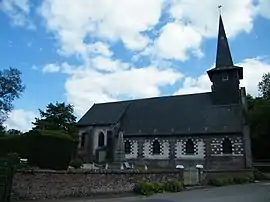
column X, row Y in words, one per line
column 14, row 132
column 2, row 131
column 259, row 116
column 58, row 117
column 264, row 86
column 11, row 88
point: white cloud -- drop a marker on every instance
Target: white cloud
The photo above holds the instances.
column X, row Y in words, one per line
column 193, row 22
column 254, row 68
column 130, row 83
column 55, row 67
column 112, row 20
column 176, row 40
column 237, row 15
column 195, row 85
column 18, row 11
column 100, row 48
column 263, row 8
column 20, row 119
column 51, row 68
column 108, row 65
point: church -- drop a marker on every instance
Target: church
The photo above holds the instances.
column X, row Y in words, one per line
column 208, row 128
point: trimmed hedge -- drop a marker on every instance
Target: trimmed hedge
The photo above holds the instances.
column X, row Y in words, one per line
column 150, row 188
column 44, row 149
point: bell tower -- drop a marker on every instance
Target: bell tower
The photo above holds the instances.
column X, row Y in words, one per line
column 225, row 77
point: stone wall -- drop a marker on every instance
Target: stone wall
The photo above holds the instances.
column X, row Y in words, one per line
column 38, row 185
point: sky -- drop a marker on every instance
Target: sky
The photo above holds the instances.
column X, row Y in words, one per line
column 87, row 51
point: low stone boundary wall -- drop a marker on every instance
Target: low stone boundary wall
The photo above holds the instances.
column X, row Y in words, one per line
column 38, row 185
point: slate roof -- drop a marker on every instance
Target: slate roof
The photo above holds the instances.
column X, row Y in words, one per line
column 182, row 114
column 224, row 57
column 103, row 114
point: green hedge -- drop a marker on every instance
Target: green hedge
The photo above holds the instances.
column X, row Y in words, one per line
column 149, row 188
column 44, row 149
column 229, row 181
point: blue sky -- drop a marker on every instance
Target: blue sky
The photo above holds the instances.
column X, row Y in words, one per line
column 87, row 51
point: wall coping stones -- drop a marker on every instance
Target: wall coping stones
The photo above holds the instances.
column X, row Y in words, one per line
column 228, row 171
column 98, row 171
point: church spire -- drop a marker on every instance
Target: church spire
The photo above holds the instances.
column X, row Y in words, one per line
column 223, row 58
column 225, row 77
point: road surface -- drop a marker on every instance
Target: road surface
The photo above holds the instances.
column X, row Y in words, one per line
column 256, row 192
column 259, row 192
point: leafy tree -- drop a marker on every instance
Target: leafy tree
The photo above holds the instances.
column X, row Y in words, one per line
column 14, row 132
column 11, row 88
column 259, row 116
column 57, row 117
column 250, row 101
column 260, row 128
column 2, row 131
column 264, row 86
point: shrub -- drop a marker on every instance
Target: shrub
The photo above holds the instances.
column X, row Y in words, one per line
column 173, row 186
column 149, row 188
column 76, row 163
column 242, row 180
column 158, row 187
column 144, row 188
column 216, row 182
column 43, row 148
column 229, row 181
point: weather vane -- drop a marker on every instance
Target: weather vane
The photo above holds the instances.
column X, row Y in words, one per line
column 219, row 9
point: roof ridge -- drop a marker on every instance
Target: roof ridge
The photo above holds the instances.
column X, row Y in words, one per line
column 152, row 98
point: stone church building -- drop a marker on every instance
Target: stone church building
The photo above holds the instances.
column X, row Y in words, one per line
column 206, row 128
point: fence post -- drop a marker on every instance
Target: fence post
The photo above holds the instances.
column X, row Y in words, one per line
column 199, row 168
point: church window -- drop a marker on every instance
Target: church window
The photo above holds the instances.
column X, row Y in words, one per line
column 83, row 137
column 127, row 147
column 156, row 147
column 101, row 139
column 225, row 77
column 190, row 147
column 227, row 146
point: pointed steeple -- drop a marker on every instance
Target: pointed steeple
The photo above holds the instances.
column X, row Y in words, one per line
column 225, row 77
column 223, row 58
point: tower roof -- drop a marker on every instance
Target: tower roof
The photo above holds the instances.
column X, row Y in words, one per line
column 224, row 60
column 224, row 57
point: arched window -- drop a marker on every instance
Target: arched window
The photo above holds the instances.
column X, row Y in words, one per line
column 101, row 139
column 156, row 147
column 227, row 146
column 190, row 147
column 127, row 147
column 83, row 136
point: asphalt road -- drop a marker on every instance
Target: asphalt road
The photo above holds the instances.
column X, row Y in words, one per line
column 257, row 192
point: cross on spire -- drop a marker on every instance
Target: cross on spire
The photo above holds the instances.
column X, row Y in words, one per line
column 219, row 9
